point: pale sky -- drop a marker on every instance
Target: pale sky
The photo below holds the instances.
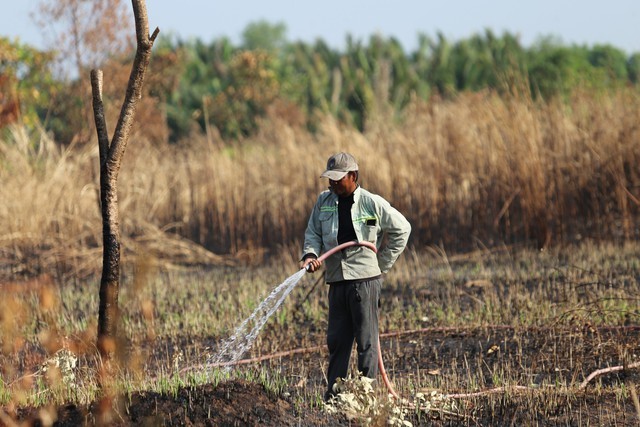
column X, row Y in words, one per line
column 583, row 22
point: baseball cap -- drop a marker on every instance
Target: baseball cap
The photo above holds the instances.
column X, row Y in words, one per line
column 338, row 165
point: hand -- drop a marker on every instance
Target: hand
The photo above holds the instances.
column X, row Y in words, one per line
column 311, row 264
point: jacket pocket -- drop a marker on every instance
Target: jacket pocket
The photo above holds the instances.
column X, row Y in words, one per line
column 369, row 230
column 326, row 222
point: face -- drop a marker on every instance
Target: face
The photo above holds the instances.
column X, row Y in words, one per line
column 344, row 186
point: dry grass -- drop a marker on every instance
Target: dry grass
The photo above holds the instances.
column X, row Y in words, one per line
column 479, row 170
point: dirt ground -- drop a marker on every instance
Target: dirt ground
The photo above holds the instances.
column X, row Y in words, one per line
column 234, row 403
column 558, row 356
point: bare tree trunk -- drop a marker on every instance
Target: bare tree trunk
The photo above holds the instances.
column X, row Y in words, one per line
column 110, row 159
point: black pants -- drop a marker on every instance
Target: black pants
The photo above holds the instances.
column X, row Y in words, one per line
column 353, row 314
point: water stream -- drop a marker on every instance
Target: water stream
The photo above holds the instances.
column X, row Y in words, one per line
column 243, row 337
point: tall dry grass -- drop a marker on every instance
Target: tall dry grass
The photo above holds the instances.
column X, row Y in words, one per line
column 478, row 170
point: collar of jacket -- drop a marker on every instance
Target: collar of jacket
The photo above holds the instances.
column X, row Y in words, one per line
column 356, row 195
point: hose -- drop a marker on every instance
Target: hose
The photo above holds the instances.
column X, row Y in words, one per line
column 347, row 245
column 383, row 372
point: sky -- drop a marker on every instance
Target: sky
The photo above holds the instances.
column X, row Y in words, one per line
column 582, row 22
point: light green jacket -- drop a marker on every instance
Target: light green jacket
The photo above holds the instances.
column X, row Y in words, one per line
column 372, row 217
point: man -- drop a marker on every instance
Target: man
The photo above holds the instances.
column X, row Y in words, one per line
column 344, row 213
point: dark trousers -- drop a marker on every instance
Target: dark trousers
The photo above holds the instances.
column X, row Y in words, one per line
column 353, row 315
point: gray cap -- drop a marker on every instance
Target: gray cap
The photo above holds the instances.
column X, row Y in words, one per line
column 338, row 165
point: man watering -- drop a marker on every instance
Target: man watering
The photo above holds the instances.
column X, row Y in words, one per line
column 347, row 212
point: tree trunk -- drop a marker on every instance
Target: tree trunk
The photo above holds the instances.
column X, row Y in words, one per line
column 110, row 159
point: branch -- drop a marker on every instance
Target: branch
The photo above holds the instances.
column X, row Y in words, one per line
column 505, row 208
column 98, row 114
column 134, row 86
column 142, row 24
column 142, row 21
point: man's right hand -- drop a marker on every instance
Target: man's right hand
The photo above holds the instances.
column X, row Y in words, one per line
column 311, row 264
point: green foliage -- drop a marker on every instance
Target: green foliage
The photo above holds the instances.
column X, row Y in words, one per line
column 207, row 86
column 26, row 78
column 611, row 61
column 487, row 62
column 555, row 69
column 262, row 35
column 439, row 72
column 231, row 89
column 633, row 68
column 5, row 392
column 203, row 69
column 248, row 87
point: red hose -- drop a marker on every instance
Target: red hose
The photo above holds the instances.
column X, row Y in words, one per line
column 346, row 245
column 383, row 372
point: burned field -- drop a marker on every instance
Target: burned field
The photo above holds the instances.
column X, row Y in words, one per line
column 488, row 338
